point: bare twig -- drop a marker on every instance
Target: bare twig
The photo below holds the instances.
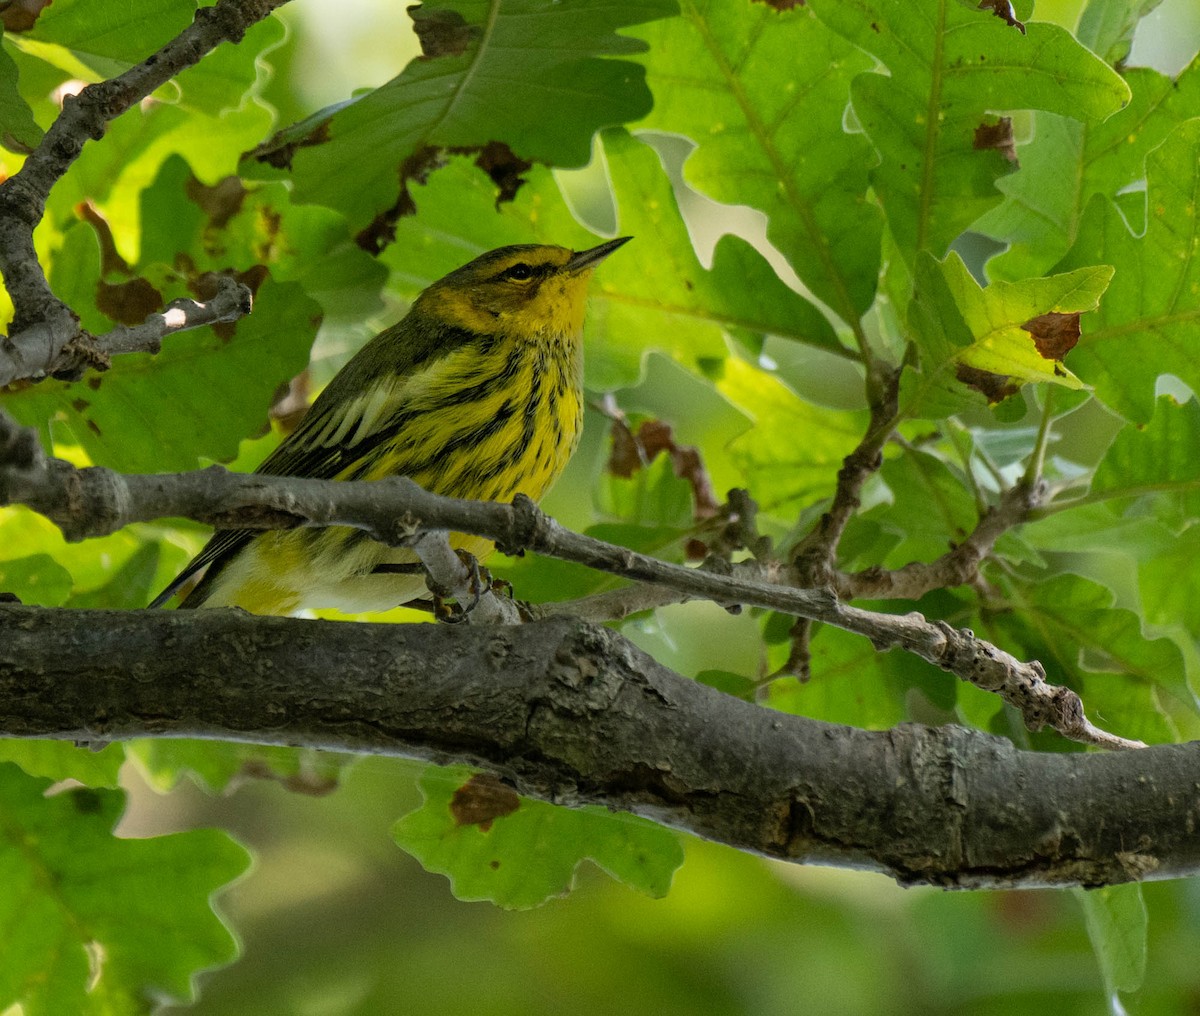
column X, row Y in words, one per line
column 231, row 301
column 95, row 501
column 957, row 567
column 813, row 558
column 45, row 335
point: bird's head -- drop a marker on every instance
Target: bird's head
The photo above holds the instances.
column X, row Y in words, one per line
column 527, row 290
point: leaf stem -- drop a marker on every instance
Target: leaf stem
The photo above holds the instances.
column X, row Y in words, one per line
column 1037, row 460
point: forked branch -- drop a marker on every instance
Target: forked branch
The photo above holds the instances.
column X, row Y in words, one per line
column 45, row 337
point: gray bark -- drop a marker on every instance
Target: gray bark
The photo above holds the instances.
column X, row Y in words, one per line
column 572, row 713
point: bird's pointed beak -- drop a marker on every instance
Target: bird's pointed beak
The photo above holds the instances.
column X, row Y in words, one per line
column 586, row 260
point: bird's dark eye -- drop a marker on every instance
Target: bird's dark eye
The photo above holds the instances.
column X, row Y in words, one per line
column 519, row 272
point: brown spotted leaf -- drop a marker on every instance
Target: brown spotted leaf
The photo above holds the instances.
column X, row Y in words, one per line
column 997, row 136
column 994, row 387
column 111, row 262
column 980, row 337
column 442, row 32
column 520, row 857
column 128, row 303
column 538, row 79
column 220, row 202
column 1054, row 334
column 20, row 15
column 1003, row 9
column 482, row 800
column 625, row 459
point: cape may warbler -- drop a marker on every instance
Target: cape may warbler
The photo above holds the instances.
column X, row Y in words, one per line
column 476, row 393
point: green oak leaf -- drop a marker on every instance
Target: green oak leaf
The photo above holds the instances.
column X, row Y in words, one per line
column 789, row 458
column 1106, row 27
column 1067, row 163
column 62, row 760
column 230, row 75
column 1146, row 325
column 851, row 682
column 1156, row 461
column 768, row 131
column 307, row 244
column 930, row 506
column 494, row 845
column 653, row 497
column 35, row 579
column 85, row 567
column 109, row 38
column 91, row 42
column 950, row 65
column 93, row 924
column 973, row 340
column 1168, row 583
column 532, row 76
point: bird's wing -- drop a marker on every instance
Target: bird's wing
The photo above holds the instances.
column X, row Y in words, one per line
column 362, row 407
column 329, row 441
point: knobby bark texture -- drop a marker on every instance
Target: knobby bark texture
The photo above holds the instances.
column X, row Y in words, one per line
column 574, row 714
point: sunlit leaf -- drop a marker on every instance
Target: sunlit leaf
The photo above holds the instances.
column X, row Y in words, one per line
column 115, row 36
column 1067, row 162
column 768, row 130
column 1147, row 321
column 950, row 66
column 62, row 760
column 790, row 456
column 989, row 341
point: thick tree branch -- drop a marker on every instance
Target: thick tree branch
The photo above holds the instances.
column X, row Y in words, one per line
column 45, row 335
column 96, row 501
column 574, row 714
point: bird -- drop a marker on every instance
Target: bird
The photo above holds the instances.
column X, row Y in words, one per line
column 477, row 392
